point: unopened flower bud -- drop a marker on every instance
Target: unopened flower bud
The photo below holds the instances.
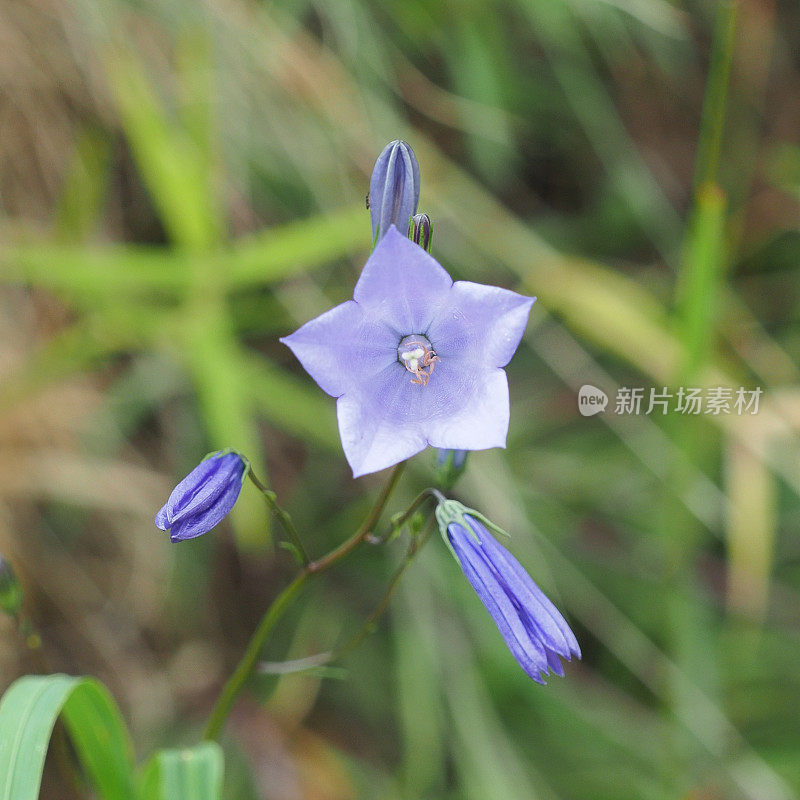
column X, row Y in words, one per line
column 420, row 231
column 534, row 630
column 204, row 497
column 393, row 188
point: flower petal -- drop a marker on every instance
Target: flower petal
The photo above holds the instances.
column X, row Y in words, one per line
column 402, row 284
column 202, row 486
column 481, row 421
column 554, row 630
column 481, row 323
column 529, row 652
column 373, row 439
column 458, row 409
column 197, row 524
column 343, row 345
column 553, row 661
column 162, row 521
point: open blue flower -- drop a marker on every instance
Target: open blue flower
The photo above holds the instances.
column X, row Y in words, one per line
column 204, row 497
column 414, row 359
column 531, row 625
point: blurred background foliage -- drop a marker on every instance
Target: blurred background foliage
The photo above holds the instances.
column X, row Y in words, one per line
column 182, row 182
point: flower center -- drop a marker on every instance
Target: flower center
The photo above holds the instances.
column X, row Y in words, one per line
column 416, row 355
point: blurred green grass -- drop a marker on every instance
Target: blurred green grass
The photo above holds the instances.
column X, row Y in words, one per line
column 182, row 183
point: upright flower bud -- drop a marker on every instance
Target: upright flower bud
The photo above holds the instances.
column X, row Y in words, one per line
column 204, row 497
column 10, row 589
column 420, row 231
column 393, row 188
column 531, row 625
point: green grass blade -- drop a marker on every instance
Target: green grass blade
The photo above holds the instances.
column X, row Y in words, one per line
column 97, row 273
column 189, row 774
column 173, row 168
column 698, row 285
column 709, row 145
column 28, row 713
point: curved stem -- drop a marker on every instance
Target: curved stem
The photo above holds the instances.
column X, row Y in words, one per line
column 245, row 666
column 322, row 659
column 284, row 519
column 274, row 612
column 399, row 520
column 369, row 523
column 369, row 624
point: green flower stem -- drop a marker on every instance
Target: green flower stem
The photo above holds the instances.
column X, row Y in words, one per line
column 274, row 612
column 369, row 624
column 222, row 707
column 369, row 523
column 284, row 519
column 398, row 520
column 322, row 659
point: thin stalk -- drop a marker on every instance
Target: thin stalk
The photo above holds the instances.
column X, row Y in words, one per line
column 369, row 624
column 715, row 102
column 234, row 685
column 283, row 518
column 274, row 612
column 321, row 659
column 400, row 519
column 699, row 285
column 361, row 534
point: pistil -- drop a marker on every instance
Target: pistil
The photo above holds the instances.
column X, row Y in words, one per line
column 418, row 357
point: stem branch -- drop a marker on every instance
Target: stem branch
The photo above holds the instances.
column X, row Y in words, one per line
column 322, row 659
column 320, row 565
column 276, row 609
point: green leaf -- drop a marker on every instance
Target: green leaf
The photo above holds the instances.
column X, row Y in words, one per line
column 700, row 278
column 189, row 774
column 28, row 713
column 172, row 167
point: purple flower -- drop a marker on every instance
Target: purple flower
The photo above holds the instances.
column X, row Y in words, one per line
column 393, row 188
column 414, row 359
column 534, row 630
column 204, row 497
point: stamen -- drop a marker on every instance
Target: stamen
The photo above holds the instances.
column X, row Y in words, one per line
column 418, row 357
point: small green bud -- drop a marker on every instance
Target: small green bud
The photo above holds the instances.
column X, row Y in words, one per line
column 420, row 231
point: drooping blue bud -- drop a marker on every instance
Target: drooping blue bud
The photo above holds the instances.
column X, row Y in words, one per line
column 533, row 628
column 393, row 188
